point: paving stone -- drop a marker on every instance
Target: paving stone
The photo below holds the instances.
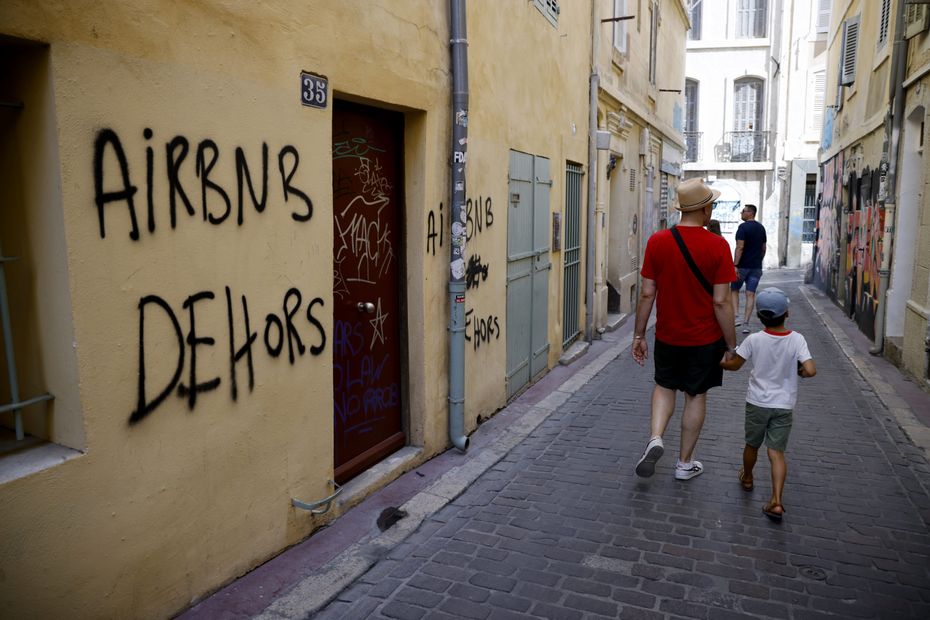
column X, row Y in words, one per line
column 560, row 527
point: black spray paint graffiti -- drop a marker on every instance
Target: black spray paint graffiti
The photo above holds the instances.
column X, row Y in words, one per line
column 278, row 329
column 479, row 214
column 476, row 272
column 481, row 330
column 215, row 202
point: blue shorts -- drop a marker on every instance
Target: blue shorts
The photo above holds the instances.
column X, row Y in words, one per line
column 750, row 276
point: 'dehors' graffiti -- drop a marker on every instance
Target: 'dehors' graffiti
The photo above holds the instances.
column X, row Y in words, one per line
column 294, row 326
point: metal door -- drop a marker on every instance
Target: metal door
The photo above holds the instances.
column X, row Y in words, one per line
column 527, row 269
column 571, row 255
column 367, row 183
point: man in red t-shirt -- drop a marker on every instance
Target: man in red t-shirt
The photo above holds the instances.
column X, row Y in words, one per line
column 694, row 322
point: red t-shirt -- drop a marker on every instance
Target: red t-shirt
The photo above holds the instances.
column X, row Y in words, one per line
column 684, row 310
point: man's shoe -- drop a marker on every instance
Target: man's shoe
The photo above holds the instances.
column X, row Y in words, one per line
column 687, row 471
column 738, row 322
column 746, row 329
column 647, row 463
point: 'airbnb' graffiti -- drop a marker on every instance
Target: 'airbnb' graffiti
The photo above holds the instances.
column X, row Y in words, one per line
column 216, row 205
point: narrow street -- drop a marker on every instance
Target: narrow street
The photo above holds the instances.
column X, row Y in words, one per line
column 560, row 527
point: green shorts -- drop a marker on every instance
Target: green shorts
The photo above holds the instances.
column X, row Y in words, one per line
column 773, row 425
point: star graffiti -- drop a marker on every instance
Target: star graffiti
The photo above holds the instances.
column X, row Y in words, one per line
column 377, row 324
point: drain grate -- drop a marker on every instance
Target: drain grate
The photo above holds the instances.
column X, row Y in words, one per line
column 813, row 572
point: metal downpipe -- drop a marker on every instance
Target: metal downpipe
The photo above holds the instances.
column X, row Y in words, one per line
column 459, row 48
column 591, row 228
column 898, row 69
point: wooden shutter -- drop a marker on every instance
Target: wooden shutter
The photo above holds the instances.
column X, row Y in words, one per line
column 816, row 83
column 915, row 19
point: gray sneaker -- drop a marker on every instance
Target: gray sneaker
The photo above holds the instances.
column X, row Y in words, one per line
column 647, row 462
column 688, row 471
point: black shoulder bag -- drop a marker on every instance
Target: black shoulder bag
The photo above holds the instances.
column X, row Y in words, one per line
column 690, row 261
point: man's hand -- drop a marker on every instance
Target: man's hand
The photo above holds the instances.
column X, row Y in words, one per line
column 640, row 351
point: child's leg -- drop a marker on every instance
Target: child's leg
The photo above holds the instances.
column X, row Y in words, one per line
column 750, row 455
column 779, row 473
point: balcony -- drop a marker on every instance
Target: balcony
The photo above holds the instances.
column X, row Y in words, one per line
column 744, row 146
column 693, row 145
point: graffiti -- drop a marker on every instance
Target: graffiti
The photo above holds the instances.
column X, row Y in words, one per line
column 827, row 246
column 215, row 203
column 864, row 249
column 431, row 234
column 361, row 396
column 278, row 330
column 475, row 270
column 377, row 325
column 478, row 214
column 366, row 241
column 481, row 330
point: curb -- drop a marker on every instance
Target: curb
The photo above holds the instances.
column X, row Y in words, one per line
column 916, row 431
column 313, row 592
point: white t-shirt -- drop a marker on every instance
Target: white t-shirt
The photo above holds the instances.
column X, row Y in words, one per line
column 773, row 381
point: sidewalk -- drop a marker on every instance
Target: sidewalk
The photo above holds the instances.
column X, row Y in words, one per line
column 543, row 516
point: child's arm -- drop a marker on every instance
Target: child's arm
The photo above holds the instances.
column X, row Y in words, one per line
column 733, row 364
column 807, row 368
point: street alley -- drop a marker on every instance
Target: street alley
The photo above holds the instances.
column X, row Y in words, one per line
column 560, row 527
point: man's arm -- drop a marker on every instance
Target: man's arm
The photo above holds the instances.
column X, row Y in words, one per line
column 739, row 251
column 763, row 250
column 647, row 297
column 723, row 311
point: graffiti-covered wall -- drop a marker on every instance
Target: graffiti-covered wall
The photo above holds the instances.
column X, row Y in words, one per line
column 827, row 247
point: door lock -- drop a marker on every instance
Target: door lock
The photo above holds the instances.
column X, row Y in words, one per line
column 366, row 306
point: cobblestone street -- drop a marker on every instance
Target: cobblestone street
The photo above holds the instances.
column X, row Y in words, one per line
column 562, row 528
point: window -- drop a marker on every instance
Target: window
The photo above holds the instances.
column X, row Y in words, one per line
column 620, row 27
column 653, row 41
column 823, row 15
column 883, row 16
column 809, row 230
column 750, row 18
column 816, row 83
column 692, row 136
column 549, row 8
column 849, row 49
column 748, row 107
column 695, row 8
column 915, row 19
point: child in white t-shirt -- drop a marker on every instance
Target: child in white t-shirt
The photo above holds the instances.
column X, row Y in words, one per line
column 779, row 356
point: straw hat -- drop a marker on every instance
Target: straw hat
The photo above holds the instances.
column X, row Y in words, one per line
column 694, row 194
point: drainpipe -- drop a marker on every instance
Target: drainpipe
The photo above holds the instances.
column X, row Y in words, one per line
column 591, row 230
column 459, row 46
column 893, row 138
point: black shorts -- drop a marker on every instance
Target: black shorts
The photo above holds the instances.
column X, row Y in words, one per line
column 693, row 370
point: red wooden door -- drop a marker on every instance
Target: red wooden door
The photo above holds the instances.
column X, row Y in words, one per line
column 367, row 199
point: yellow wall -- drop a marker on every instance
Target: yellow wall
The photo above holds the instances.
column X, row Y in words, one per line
column 151, row 516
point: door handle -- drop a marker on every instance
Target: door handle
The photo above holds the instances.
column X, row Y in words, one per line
column 366, row 306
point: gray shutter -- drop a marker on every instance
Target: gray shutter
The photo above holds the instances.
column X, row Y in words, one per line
column 915, row 20
column 850, row 48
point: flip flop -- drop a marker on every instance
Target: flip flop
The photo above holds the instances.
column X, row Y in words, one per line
column 769, row 511
column 746, row 484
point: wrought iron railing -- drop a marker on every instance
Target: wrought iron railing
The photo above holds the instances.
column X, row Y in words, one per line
column 693, row 145
column 745, row 146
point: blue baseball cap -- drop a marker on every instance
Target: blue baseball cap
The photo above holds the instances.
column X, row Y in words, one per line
column 772, row 301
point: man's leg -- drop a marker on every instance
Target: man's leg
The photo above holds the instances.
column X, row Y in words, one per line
column 691, row 423
column 663, row 406
column 734, row 301
column 750, row 304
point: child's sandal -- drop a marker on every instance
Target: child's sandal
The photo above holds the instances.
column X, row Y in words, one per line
column 745, row 481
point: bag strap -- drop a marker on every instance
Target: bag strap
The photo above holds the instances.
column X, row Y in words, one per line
column 690, row 261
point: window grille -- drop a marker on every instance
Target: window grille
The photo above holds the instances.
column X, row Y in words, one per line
column 550, row 9
column 809, row 230
column 15, row 405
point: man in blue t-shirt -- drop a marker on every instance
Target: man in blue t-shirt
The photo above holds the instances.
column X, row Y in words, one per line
column 750, row 250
